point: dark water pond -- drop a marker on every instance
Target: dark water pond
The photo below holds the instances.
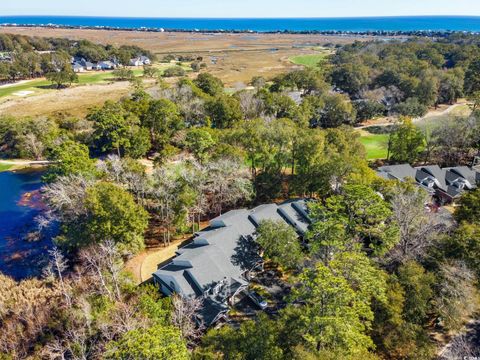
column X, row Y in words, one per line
column 22, row 255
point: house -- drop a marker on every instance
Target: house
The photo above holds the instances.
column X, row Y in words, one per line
column 106, row 65
column 445, row 185
column 139, row 61
column 78, row 68
column 218, row 264
column 145, row 60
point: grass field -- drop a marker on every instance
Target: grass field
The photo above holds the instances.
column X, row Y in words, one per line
column 5, row 167
column 376, row 145
column 40, row 85
column 311, row 60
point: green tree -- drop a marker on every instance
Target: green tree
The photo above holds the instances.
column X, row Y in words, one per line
column 65, row 76
column 472, row 77
column 200, row 141
column 280, row 243
column 469, row 208
column 115, row 129
column 174, row 71
column 163, row 120
column 417, row 284
column 113, row 214
column 254, row 340
column 334, row 318
column 155, row 343
column 363, row 213
column 123, row 74
column 224, row 111
column 406, row 142
column 70, row 158
column 351, row 78
column 209, row 84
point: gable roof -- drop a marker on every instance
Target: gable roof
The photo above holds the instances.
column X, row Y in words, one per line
column 226, row 249
column 398, row 172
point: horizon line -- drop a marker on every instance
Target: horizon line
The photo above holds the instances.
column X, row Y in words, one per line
column 243, row 18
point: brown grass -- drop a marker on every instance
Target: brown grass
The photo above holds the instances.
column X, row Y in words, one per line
column 239, row 58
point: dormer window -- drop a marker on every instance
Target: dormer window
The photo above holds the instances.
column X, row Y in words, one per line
column 428, row 182
column 460, row 183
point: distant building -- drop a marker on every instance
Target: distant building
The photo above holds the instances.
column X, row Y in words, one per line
column 78, row 68
column 219, row 262
column 140, row 61
column 446, row 185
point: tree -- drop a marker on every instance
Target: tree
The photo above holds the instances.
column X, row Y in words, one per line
column 337, row 109
column 199, row 141
column 113, row 214
column 224, row 111
column 209, row 84
column 70, row 158
column 115, row 129
column 280, row 243
column 351, row 78
column 123, row 74
column 174, row 71
column 363, row 213
column 163, row 120
column 150, row 71
column 417, row 284
column 456, row 288
column 406, row 142
column 65, row 76
column 410, row 107
column 334, row 318
column 254, row 340
column 155, row 343
column 417, row 227
column 469, row 209
column 472, row 77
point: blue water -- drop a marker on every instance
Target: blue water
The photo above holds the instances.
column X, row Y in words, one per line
column 454, row 23
column 20, row 258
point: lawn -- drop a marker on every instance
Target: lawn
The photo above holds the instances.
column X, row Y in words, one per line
column 311, row 60
column 5, row 167
column 376, row 145
column 33, row 85
column 93, row 77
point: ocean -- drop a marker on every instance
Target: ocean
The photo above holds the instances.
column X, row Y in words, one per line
column 403, row 23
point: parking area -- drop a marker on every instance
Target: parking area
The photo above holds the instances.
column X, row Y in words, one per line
column 269, row 285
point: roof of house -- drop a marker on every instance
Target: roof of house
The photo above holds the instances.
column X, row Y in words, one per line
column 398, row 172
column 226, row 250
column 443, row 181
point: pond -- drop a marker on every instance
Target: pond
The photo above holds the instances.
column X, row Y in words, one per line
column 22, row 254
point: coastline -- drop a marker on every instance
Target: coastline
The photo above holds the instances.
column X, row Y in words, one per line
column 425, row 33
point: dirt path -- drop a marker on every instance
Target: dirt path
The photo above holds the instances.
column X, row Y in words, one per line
column 25, row 162
column 146, row 263
column 430, row 114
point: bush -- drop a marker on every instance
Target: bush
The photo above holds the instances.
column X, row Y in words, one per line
column 174, row 71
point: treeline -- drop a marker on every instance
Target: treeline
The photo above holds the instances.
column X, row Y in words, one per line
column 29, row 57
column 404, row 78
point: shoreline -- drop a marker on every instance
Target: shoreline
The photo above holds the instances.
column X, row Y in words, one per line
column 425, row 33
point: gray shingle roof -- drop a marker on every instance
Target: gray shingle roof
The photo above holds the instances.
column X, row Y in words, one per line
column 398, row 172
column 219, row 256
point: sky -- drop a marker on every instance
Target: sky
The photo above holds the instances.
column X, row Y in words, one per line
column 240, row 8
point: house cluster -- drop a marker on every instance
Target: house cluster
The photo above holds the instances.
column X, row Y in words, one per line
column 80, row 64
column 220, row 261
column 140, row 61
column 444, row 184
